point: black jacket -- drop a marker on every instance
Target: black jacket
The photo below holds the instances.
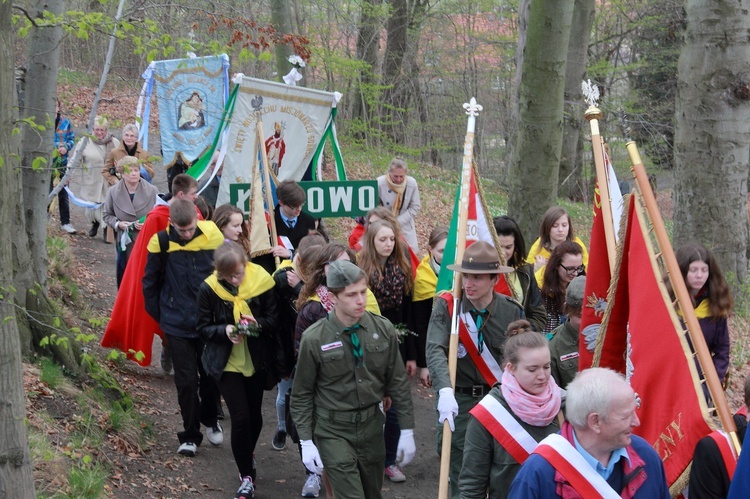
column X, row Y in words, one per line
column 533, row 307
column 213, row 316
column 286, row 296
column 173, row 276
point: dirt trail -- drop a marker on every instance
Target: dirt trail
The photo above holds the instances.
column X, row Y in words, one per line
column 160, row 472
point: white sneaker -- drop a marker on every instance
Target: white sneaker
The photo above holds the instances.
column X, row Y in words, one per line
column 312, row 486
column 187, row 449
column 68, row 228
column 215, row 435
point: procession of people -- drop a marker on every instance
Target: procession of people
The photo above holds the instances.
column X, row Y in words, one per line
column 339, row 331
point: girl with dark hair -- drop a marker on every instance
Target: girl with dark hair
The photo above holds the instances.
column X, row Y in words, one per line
column 711, row 298
column 425, row 284
column 522, row 280
column 555, row 228
column 526, row 405
column 564, row 265
column 237, row 317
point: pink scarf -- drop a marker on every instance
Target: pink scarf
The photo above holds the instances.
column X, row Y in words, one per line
column 536, row 410
column 325, row 297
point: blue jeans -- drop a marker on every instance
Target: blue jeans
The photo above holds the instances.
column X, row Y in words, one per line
column 282, row 389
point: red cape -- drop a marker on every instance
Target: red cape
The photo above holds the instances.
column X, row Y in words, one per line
column 130, row 328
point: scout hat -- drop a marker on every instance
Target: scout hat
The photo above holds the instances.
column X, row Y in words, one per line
column 342, row 273
column 575, row 291
column 481, row 258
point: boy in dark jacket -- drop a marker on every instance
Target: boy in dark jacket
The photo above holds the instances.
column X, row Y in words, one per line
column 179, row 259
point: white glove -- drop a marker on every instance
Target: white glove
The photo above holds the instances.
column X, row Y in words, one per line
column 447, row 406
column 406, row 448
column 311, row 457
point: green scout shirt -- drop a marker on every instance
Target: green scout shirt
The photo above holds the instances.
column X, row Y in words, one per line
column 502, row 311
column 327, row 378
column 563, row 348
column 486, row 463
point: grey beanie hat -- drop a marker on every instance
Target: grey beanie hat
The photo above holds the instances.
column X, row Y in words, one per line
column 342, row 273
column 575, row 291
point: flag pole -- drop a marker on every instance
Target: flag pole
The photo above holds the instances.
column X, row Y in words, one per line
column 267, row 185
column 686, row 305
column 593, row 114
column 472, row 110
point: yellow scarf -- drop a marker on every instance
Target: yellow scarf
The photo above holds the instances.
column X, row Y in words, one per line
column 425, row 283
column 399, row 189
column 702, row 311
column 256, row 282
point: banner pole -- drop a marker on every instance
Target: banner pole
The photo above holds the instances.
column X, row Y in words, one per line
column 593, row 114
column 472, row 110
column 683, row 297
column 267, row 186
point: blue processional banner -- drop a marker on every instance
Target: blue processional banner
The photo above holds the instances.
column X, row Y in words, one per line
column 191, row 94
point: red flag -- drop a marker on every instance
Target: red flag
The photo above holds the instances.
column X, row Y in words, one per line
column 478, row 228
column 597, row 284
column 644, row 339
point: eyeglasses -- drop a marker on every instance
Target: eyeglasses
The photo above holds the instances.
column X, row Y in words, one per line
column 573, row 270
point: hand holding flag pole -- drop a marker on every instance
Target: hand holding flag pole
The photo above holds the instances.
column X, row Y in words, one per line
column 472, row 110
column 678, row 285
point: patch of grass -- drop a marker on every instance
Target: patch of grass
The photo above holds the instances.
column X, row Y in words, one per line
column 86, row 480
column 51, row 372
column 61, row 259
column 76, row 78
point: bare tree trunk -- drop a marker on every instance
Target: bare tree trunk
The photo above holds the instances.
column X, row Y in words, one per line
column 280, row 21
column 536, row 156
column 368, row 41
column 43, row 57
column 395, row 49
column 30, row 279
column 571, row 166
column 510, row 132
column 16, row 479
column 712, row 141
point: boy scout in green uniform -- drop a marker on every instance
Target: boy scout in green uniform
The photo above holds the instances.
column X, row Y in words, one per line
column 491, row 313
column 347, row 363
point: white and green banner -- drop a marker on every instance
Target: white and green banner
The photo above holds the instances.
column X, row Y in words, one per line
column 294, row 120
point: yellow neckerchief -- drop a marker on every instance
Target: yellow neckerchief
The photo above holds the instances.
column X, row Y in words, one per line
column 425, row 282
column 371, row 305
column 256, row 282
column 702, row 311
column 399, row 189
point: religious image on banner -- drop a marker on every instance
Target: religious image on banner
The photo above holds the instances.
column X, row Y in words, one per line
column 191, row 94
column 293, row 121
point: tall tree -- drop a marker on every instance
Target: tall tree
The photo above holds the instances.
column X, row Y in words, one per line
column 16, row 479
column 571, row 165
column 368, row 42
column 536, row 155
column 712, row 140
column 280, row 15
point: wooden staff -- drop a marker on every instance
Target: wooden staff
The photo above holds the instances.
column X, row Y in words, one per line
column 267, row 185
column 593, row 114
column 472, row 110
column 683, row 297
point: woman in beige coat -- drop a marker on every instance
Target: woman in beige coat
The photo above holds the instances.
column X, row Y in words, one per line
column 87, row 182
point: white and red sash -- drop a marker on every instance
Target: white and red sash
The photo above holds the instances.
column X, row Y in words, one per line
column 726, row 449
column 504, row 427
column 566, row 459
column 484, row 362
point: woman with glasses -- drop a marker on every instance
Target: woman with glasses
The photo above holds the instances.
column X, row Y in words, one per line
column 564, row 265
